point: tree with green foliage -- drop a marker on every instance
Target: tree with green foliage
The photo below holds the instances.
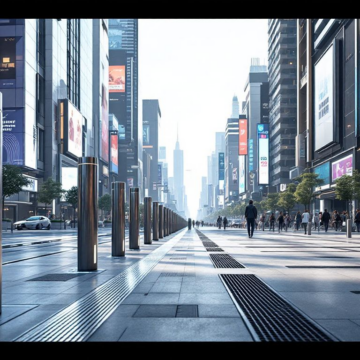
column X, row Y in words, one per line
column 356, row 184
column 271, row 202
column 13, row 182
column 287, row 199
column 49, row 191
column 305, row 189
column 71, row 196
column 104, row 203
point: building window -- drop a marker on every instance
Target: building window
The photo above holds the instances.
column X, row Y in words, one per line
column 41, row 42
column 73, row 61
column 41, row 144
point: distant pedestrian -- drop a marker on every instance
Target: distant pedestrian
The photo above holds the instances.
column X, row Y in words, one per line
column 272, row 222
column 317, row 222
column 193, row 223
column 298, row 220
column 225, row 222
column 250, row 215
column 219, row 221
column 286, row 221
column 280, row 220
column 305, row 219
column 262, row 222
column 326, row 219
column 357, row 220
column 337, row 220
column 320, row 220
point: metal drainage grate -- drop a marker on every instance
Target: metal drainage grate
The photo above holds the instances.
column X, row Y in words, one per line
column 214, row 249
column 268, row 316
column 187, row 311
column 56, row 277
column 210, row 244
column 176, row 274
column 323, row 267
column 225, row 261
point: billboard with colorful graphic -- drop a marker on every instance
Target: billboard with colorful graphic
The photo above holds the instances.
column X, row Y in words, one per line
column 221, row 166
column 263, row 146
column 117, row 78
column 243, row 137
column 74, row 133
column 242, row 176
column 342, row 167
column 114, row 152
column 104, row 148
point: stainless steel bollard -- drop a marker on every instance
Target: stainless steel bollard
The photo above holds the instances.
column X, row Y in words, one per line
column 165, row 222
column 309, row 228
column 147, row 220
column 118, row 219
column 348, row 228
column 155, row 220
column 161, row 221
column 87, row 214
column 134, row 235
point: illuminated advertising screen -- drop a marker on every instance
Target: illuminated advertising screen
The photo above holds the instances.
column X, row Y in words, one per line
column 342, row 167
column 324, row 99
column 221, row 166
column 234, row 175
column 242, row 176
column 159, row 174
column 146, row 134
column 243, row 137
column 323, row 172
column 263, row 146
column 117, row 78
column 74, row 133
column 104, row 148
column 7, row 58
column 114, row 163
column 251, row 154
column 130, row 182
column 13, row 136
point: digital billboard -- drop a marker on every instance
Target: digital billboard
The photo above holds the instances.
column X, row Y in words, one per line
column 324, row 99
column 342, row 167
column 221, row 166
column 146, row 134
column 13, row 136
column 251, row 155
column 117, row 78
column 114, row 161
column 104, row 148
column 234, row 175
column 243, row 137
column 242, row 176
column 7, row 58
column 323, row 172
column 159, row 174
column 263, row 151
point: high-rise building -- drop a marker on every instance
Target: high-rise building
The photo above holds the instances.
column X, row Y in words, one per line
column 282, row 52
column 235, row 108
column 256, row 112
column 328, row 129
column 123, row 98
column 218, row 186
column 151, row 122
column 179, row 176
column 162, row 153
column 48, row 120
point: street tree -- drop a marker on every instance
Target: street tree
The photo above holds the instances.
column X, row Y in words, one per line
column 49, row 191
column 271, row 202
column 71, row 196
column 305, row 189
column 13, row 181
column 287, row 199
column 104, row 203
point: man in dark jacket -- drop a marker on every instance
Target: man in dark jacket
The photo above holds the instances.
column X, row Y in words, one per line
column 325, row 219
column 250, row 215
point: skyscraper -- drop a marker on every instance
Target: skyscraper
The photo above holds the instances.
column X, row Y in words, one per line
column 235, row 108
column 179, row 176
column 282, row 98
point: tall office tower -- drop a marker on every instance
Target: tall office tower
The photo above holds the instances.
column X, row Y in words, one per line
column 231, row 161
column 123, row 94
column 48, row 104
column 328, row 131
column 235, row 108
column 151, row 122
column 218, row 186
column 179, row 176
column 203, row 194
column 256, row 112
column 282, row 55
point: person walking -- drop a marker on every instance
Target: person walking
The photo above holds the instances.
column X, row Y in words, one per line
column 219, row 221
column 250, row 216
column 326, row 219
column 298, row 220
column 225, row 222
column 316, row 222
column 305, row 219
column 320, row 220
column 286, row 222
column 262, row 222
column 272, row 222
column 193, row 223
column 280, row 220
column 357, row 220
column 337, row 220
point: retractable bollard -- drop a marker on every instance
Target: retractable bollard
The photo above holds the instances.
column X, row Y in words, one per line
column 134, row 235
column 170, row 222
column 161, row 221
column 189, row 224
column 87, row 214
column 155, row 220
column 118, row 219
column 165, row 222
column 309, row 227
column 348, row 228
column 147, row 220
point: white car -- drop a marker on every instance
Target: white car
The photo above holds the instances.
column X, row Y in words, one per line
column 34, row 222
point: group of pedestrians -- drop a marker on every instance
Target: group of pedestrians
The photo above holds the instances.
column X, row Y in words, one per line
column 222, row 221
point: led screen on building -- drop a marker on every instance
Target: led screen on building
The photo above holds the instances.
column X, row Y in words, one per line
column 324, row 100
column 104, row 148
column 114, row 152
column 242, row 176
column 342, row 167
column 263, row 151
column 243, row 137
column 117, row 78
column 251, row 154
column 221, row 166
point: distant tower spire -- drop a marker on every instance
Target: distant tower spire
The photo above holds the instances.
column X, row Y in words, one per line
column 177, row 146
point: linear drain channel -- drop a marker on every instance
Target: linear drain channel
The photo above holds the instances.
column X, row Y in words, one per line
column 271, row 317
column 214, row 249
column 225, row 261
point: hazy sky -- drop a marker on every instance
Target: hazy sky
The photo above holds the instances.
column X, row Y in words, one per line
column 194, row 67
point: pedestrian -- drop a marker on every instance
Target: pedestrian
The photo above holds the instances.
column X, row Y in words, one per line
column 298, row 220
column 337, row 219
column 357, row 220
column 272, row 222
column 280, row 220
column 219, row 221
column 316, row 222
column 225, row 222
column 325, row 219
column 286, row 222
column 250, row 215
column 262, row 221
column 193, row 223
column 305, row 219
column 320, row 220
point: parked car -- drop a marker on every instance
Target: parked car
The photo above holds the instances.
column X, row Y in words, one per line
column 34, row 222
column 100, row 223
